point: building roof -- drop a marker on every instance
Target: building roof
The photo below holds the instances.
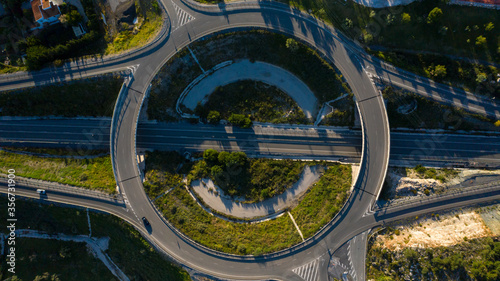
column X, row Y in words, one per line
column 46, row 4
column 490, row 2
column 40, row 12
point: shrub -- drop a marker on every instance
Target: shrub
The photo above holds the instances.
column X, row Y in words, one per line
column 405, row 18
column 213, row 117
column 434, row 15
column 481, row 41
column 240, row 120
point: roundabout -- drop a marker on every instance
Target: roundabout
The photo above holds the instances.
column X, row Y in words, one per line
column 348, row 223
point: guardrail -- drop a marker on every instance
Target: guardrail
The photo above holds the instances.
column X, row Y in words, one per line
column 39, row 184
column 144, row 97
column 114, row 123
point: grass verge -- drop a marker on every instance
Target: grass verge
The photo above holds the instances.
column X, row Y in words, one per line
column 128, row 250
column 142, row 33
column 324, row 200
column 476, row 78
column 236, row 238
column 88, row 97
column 96, row 173
column 408, row 110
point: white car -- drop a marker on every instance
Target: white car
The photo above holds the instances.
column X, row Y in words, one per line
column 40, row 191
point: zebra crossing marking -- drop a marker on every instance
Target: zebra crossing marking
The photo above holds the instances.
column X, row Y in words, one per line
column 309, row 271
column 183, row 17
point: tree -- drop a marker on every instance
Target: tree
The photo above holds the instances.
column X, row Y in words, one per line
column 481, row 41
column 481, row 77
column 213, row 117
column 489, row 26
column 292, row 45
column 437, row 72
column 73, row 17
column 211, row 156
column 240, row 120
column 348, row 23
column 405, row 18
column 216, row 171
column 434, row 15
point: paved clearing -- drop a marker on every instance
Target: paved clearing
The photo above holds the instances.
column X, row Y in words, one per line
column 259, row 71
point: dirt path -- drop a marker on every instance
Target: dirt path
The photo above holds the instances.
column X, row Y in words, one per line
column 259, row 71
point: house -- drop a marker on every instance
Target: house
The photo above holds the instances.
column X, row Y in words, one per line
column 45, row 12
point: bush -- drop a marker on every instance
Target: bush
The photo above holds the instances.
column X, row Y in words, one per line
column 240, row 120
column 213, row 117
column 405, row 18
column 434, row 15
column 481, row 41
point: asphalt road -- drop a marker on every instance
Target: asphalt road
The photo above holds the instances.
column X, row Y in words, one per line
column 278, row 141
column 332, row 45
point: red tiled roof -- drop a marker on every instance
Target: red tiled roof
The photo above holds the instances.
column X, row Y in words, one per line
column 46, row 4
column 39, row 12
column 36, row 10
column 53, row 11
column 491, row 2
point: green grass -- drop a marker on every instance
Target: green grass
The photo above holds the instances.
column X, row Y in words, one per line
column 431, row 115
column 64, row 259
column 4, row 69
column 430, row 173
column 55, row 151
column 416, row 34
column 95, row 173
column 236, row 238
column 324, row 200
column 150, row 22
column 126, row 40
column 263, row 103
column 475, row 259
column 128, row 250
column 458, row 73
column 88, row 97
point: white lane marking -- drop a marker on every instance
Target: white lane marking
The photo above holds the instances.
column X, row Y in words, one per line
column 308, row 271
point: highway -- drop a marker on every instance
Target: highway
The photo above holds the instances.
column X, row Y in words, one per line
column 277, row 141
column 347, row 56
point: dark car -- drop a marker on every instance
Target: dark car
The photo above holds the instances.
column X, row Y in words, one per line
column 145, row 221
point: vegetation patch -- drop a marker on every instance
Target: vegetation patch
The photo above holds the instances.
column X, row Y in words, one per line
column 89, row 97
column 321, row 77
column 95, row 173
column 476, row 78
column 237, row 175
column 429, row 114
column 44, row 259
column 318, row 206
column 54, row 151
column 127, row 249
column 473, row 259
column 259, row 101
column 428, row 25
column 148, row 26
column 324, row 200
column 236, row 238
